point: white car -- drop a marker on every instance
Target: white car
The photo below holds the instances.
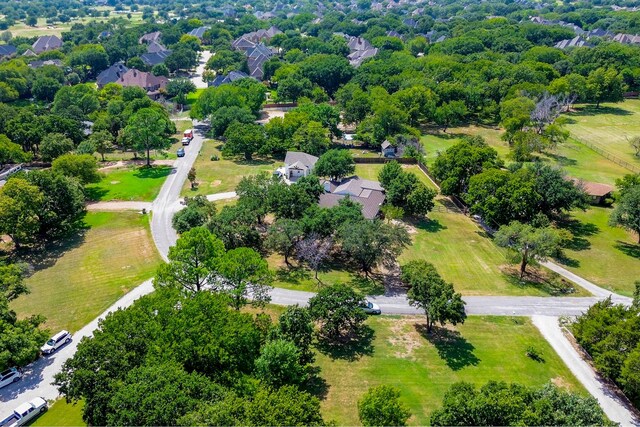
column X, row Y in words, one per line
column 371, row 307
column 9, row 376
column 26, row 412
column 56, row 341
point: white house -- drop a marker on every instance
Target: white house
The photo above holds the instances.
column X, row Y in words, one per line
column 296, row 165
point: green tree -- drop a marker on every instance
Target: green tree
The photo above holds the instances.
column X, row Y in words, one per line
column 327, row 71
column 45, row 88
column 245, row 139
column 147, row 131
column 311, row 138
column 225, row 116
column 20, row 208
column 335, row 164
column 432, row 294
column 11, row 152
column 627, row 182
column 197, row 213
column 296, row 325
column 338, row 309
column 381, row 406
column 179, row 89
column 421, row 200
column 193, row 261
column 84, row 167
column 530, row 243
column 55, row 145
column 626, row 213
column 283, row 236
column 370, row 243
column 244, row 276
column 279, row 364
column 605, row 85
column 450, row 114
column 455, row 167
column 102, row 141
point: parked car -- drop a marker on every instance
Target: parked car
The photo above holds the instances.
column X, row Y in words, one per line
column 371, row 307
column 180, row 152
column 186, row 141
column 25, row 413
column 56, row 341
column 9, row 376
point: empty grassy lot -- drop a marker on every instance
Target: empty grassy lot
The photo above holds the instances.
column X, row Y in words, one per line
column 223, row 175
column 608, row 127
column 20, row 29
column 371, row 171
column 138, row 183
column 608, row 256
column 61, row 414
column 423, row 367
column 76, row 281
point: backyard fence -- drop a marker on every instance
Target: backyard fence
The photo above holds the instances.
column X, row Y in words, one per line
column 614, row 159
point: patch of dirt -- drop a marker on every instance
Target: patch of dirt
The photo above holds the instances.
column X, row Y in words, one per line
column 410, row 228
column 404, row 337
column 561, row 382
column 215, row 183
column 114, row 182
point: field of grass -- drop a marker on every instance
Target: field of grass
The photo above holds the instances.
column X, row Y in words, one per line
column 466, row 257
column 299, row 278
column 77, row 280
column 129, row 183
column 608, row 256
column 436, row 142
column 20, row 29
column 371, row 171
column 423, row 367
column 193, row 96
column 608, row 127
column 223, row 175
column 61, row 414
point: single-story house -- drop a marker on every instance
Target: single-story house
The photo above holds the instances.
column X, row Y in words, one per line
column 231, row 77
column 388, row 149
column 155, row 58
column 199, row 32
column 7, row 50
column 111, row 74
column 597, row 191
column 369, row 194
column 147, row 81
column 45, row 43
column 296, row 165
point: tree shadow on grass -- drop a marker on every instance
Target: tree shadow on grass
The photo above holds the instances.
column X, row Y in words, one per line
column 95, row 193
column 580, row 231
column 591, row 110
column 315, row 384
column 628, row 248
column 254, row 162
column 292, row 274
column 351, row 348
column 372, row 285
column 154, row 172
column 452, row 347
column 429, row 225
column 535, row 278
column 562, row 160
column 45, row 256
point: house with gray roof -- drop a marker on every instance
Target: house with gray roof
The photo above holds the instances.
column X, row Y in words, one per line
column 46, row 43
column 199, row 32
column 111, row 74
column 627, row 38
column 369, row 194
column 357, row 57
column 7, row 50
column 231, row 77
column 296, row 165
column 155, row 47
column 150, row 37
column 577, row 41
column 151, row 59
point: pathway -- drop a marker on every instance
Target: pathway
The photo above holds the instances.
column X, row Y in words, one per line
column 197, row 77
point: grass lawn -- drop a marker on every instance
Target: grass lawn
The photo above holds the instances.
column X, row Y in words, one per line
column 608, row 127
column 75, row 282
column 436, row 141
column 20, row 29
column 193, row 96
column 608, row 256
column 223, row 175
column 61, row 414
column 424, row 367
column 371, row 171
column 466, row 257
column 129, row 183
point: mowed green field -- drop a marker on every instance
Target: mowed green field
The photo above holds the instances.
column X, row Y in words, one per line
column 128, row 183
column 223, row 175
column 371, row 171
column 61, row 414
column 424, row 367
column 608, row 256
column 76, row 282
column 608, row 127
column 437, row 142
column 20, row 29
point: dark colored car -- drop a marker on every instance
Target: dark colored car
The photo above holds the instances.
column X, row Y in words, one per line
column 180, row 152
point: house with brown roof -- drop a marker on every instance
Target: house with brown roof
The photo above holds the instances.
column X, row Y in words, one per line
column 597, row 191
column 150, row 37
column 369, row 194
column 147, row 81
column 46, row 43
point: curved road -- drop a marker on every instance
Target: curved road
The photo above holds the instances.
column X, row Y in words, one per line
column 545, row 311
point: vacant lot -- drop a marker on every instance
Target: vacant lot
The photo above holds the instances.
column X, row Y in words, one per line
column 223, row 175
column 608, row 127
column 371, row 171
column 20, row 29
column 575, row 158
column 423, row 367
column 605, row 255
column 75, row 282
column 61, row 414
column 138, row 183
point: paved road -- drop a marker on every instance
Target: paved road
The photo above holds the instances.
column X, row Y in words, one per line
column 197, row 77
column 616, row 408
column 119, row 206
